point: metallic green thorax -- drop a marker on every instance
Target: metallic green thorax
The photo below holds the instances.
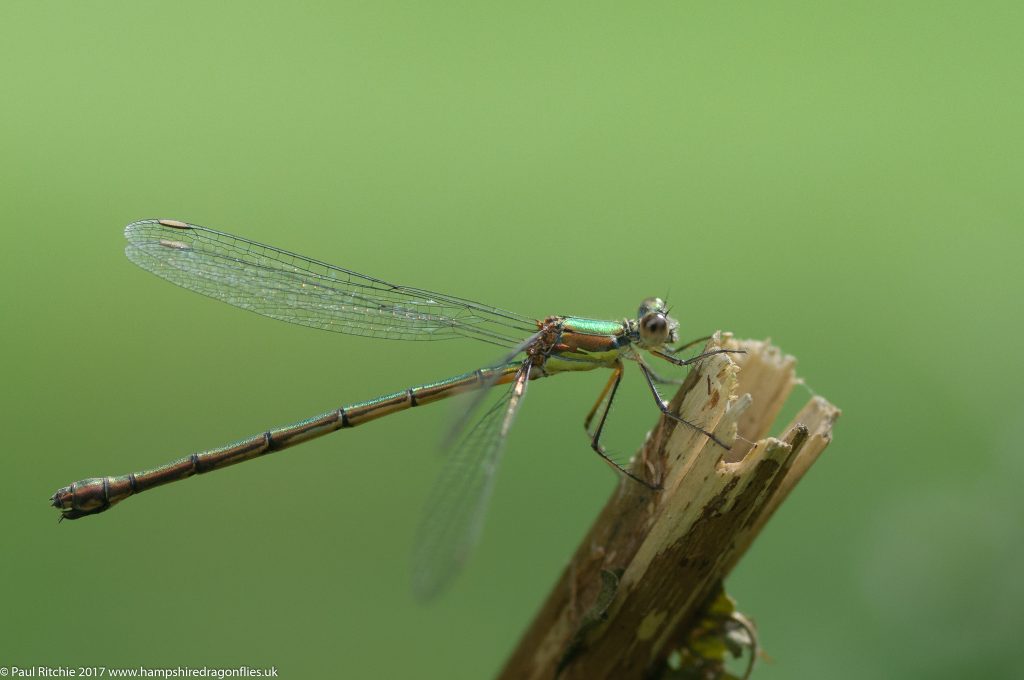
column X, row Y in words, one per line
column 575, row 324
column 586, row 344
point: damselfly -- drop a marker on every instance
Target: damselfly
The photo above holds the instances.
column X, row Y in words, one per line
column 307, row 292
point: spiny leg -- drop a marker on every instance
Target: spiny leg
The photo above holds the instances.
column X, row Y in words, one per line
column 662, row 380
column 672, row 351
column 610, row 386
column 692, row 360
column 595, row 439
column 680, row 348
column 663, row 407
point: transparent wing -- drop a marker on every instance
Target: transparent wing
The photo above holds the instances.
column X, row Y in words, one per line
column 307, row 292
column 455, row 510
column 480, row 396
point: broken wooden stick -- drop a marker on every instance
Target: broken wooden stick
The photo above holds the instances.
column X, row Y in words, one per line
column 651, row 562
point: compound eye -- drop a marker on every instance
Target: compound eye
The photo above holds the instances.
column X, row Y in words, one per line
column 651, row 304
column 654, row 328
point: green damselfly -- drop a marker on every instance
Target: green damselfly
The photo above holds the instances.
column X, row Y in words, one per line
column 300, row 290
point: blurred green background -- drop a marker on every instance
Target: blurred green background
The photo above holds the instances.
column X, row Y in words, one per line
column 842, row 177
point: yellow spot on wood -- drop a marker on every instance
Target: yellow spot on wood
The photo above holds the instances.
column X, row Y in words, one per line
column 650, row 625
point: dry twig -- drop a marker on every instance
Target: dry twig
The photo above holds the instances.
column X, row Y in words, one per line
column 639, row 580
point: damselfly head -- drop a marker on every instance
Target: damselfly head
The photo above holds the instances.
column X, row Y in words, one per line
column 655, row 326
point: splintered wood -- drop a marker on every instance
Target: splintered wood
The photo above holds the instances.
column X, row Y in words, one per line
column 637, row 582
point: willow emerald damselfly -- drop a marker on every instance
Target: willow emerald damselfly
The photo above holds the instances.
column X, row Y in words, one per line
column 300, row 290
